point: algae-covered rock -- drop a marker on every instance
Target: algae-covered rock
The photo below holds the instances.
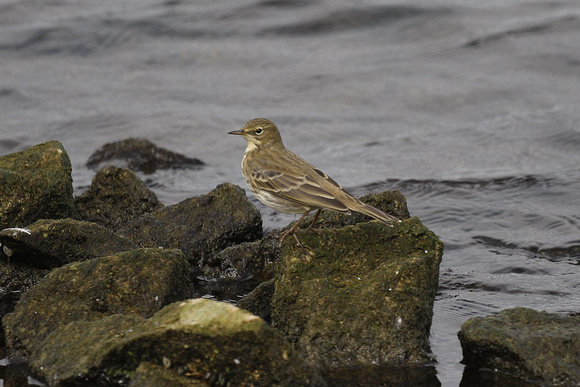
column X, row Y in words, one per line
column 135, row 282
column 202, row 340
column 116, row 196
column 140, row 155
column 200, row 226
column 35, row 184
column 50, row 243
column 360, row 295
column 526, row 343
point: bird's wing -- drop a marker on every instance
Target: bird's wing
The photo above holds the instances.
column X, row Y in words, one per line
column 301, row 183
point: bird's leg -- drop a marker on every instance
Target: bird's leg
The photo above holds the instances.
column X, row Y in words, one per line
column 292, row 229
column 311, row 227
column 315, row 219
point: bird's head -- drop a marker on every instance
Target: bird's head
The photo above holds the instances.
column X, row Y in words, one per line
column 260, row 132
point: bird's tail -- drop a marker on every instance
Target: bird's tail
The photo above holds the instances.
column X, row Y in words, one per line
column 377, row 214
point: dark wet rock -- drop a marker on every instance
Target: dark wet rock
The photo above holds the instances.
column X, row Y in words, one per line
column 15, row 281
column 136, row 282
column 50, row 243
column 200, row 226
column 149, row 374
column 525, row 343
column 35, row 184
column 200, row 341
column 246, row 260
column 259, row 300
column 385, row 376
column 360, row 295
column 116, row 196
column 139, row 155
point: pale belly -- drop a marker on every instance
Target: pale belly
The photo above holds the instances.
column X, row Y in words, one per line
column 278, row 204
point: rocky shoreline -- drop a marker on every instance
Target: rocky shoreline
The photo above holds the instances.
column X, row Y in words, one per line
column 101, row 288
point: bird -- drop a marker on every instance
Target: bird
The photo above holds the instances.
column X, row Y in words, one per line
column 286, row 182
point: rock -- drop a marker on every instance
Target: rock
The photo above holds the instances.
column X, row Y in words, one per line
column 116, row 196
column 51, row 243
column 136, row 282
column 139, row 155
column 200, row 226
column 15, row 281
column 197, row 341
column 526, row 343
column 385, row 376
column 149, row 374
column 360, row 295
column 35, row 184
column 246, row 260
column 259, row 300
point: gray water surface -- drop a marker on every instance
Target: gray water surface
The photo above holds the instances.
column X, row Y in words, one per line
column 470, row 108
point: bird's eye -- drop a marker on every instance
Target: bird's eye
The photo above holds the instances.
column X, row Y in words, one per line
column 259, row 131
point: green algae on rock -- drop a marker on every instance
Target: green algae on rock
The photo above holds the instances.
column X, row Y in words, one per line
column 134, row 282
column 525, row 343
column 116, row 196
column 360, row 295
column 200, row 340
column 35, row 184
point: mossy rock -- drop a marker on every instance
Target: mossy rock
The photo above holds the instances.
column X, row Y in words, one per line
column 136, row 282
column 35, row 184
column 525, row 343
column 50, row 243
column 198, row 341
column 200, row 227
column 360, row 295
column 116, row 196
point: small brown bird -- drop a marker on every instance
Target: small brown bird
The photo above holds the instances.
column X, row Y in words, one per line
column 287, row 183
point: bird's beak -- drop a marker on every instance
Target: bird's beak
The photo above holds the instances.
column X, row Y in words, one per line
column 238, row 132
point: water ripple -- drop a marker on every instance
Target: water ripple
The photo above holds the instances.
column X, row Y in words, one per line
column 347, row 19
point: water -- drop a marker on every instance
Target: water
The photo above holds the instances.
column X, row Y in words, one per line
column 470, row 108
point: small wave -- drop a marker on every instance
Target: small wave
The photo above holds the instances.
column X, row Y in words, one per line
column 348, row 19
column 516, row 32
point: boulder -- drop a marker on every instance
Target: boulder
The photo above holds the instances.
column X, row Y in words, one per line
column 30, row 252
column 139, row 155
column 360, row 295
column 197, row 342
column 138, row 282
column 49, row 243
column 525, row 343
column 35, row 184
column 200, row 226
column 116, row 196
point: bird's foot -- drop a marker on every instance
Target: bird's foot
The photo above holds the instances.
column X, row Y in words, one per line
column 290, row 232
